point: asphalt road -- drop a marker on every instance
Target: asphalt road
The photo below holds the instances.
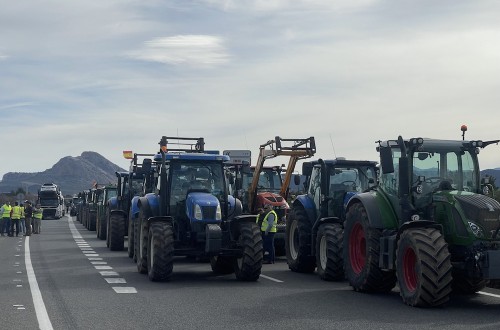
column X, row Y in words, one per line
column 83, row 285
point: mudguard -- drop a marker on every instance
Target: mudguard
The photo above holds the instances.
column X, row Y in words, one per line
column 113, row 203
column 308, row 204
column 234, row 224
column 378, row 209
column 134, row 208
column 152, row 202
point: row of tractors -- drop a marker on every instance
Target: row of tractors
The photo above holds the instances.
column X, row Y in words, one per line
column 421, row 218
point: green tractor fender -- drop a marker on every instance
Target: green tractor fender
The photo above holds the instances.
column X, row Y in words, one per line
column 379, row 211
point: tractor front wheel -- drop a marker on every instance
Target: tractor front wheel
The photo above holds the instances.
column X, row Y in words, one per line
column 247, row 267
column 329, row 252
column 298, row 242
column 423, row 267
column 161, row 251
column 115, row 232
column 141, row 244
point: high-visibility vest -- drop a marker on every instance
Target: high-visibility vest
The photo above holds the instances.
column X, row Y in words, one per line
column 264, row 225
column 16, row 212
column 37, row 213
column 22, row 212
column 6, row 211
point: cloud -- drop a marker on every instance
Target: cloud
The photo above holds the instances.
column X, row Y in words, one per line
column 275, row 5
column 193, row 50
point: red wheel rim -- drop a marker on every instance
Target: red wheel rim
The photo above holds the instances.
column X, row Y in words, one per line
column 357, row 248
column 409, row 269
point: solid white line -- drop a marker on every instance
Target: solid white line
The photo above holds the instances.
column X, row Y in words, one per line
column 41, row 312
column 271, row 279
column 489, row 294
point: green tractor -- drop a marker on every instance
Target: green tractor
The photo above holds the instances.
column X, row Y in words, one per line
column 427, row 226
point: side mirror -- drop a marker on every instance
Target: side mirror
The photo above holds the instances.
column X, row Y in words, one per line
column 386, row 160
column 296, row 179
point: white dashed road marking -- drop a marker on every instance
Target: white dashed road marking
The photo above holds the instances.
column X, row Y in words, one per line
column 271, row 278
column 100, row 265
column 489, row 294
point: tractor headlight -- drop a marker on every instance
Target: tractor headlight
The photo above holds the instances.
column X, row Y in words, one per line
column 476, row 230
column 218, row 213
column 197, row 212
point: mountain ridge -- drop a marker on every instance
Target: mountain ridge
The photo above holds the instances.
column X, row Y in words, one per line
column 71, row 174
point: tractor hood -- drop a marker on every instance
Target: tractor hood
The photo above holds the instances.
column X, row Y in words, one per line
column 482, row 213
column 203, row 207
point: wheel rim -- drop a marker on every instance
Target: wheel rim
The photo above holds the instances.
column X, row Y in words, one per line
column 293, row 240
column 409, row 269
column 323, row 257
column 357, row 248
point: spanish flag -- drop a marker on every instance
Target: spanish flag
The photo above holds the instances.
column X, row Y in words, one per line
column 127, row 154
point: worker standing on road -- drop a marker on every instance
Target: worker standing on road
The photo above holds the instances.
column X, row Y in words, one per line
column 22, row 223
column 37, row 218
column 5, row 228
column 268, row 230
column 28, row 214
column 15, row 216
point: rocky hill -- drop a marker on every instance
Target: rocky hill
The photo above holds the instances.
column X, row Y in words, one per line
column 71, row 174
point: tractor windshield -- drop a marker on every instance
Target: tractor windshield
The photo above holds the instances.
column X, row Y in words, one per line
column 355, row 179
column 200, row 176
column 444, row 170
column 269, row 180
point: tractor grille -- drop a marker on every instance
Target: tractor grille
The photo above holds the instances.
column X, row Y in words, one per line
column 482, row 210
column 208, row 212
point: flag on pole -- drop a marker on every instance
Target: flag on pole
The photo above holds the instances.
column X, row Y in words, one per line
column 127, row 154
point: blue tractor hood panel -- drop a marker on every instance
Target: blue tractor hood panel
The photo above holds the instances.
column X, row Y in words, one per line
column 154, row 202
column 208, row 205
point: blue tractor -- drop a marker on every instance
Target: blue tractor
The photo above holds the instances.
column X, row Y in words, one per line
column 192, row 214
column 314, row 231
column 130, row 184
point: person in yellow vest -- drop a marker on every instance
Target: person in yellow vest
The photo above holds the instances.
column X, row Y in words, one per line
column 15, row 216
column 22, row 223
column 267, row 220
column 37, row 218
column 5, row 227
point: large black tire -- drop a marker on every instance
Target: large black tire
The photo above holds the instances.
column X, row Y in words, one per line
column 131, row 242
column 101, row 227
column 141, row 243
column 423, row 267
column 222, row 264
column 116, row 232
column 249, row 265
column 329, row 252
column 463, row 284
column 92, row 220
column 361, row 254
column 298, row 242
column 161, row 251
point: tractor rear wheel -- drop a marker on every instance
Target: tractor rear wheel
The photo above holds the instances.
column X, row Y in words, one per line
column 92, row 220
column 298, row 242
column 101, row 228
column 161, row 251
column 463, row 284
column 131, row 242
column 116, row 232
column 222, row 264
column 361, row 254
column 329, row 252
column 141, row 243
column 423, row 267
column 247, row 267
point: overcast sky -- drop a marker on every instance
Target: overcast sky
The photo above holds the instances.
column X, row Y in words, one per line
column 114, row 75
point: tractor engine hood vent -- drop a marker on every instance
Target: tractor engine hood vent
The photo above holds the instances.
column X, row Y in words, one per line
column 482, row 210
